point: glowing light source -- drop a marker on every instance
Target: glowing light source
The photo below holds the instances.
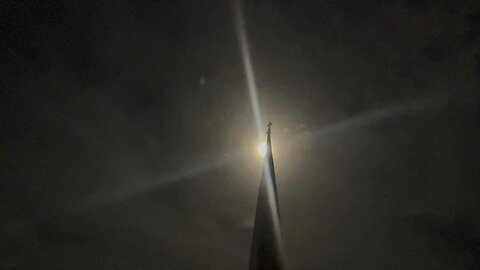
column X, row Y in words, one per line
column 262, row 149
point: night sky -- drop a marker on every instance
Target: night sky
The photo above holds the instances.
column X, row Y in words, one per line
column 127, row 138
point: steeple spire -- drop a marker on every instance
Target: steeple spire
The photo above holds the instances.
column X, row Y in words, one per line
column 266, row 243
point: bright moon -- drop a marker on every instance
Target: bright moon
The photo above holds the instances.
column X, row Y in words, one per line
column 262, row 149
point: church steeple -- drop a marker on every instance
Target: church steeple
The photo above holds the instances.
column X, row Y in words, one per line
column 266, row 243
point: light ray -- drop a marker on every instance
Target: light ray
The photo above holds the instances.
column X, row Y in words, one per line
column 247, row 65
column 407, row 106
column 145, row 185
column 410, row 106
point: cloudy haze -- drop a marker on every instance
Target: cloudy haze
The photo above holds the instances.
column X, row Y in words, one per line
column 128, row 139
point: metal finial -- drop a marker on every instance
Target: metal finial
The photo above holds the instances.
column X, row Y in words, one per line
column 269, row 125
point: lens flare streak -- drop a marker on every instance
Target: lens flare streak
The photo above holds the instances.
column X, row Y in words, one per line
column 247, row 65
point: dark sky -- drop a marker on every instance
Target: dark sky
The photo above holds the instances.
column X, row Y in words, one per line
column 128, row 139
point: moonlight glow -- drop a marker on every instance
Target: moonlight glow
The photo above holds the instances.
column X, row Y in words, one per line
column 262, row 149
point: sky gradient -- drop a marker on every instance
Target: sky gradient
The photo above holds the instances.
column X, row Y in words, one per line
column 128, row 139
